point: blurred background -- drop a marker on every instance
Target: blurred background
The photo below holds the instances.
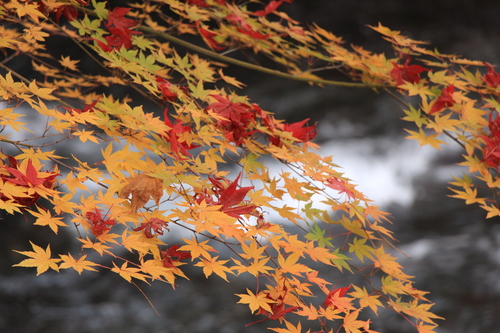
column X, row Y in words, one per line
column 454, row 251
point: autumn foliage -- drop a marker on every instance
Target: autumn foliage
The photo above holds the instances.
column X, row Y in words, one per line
column 159, row 169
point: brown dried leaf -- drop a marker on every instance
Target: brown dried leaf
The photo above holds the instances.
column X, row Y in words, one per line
column 142, row 187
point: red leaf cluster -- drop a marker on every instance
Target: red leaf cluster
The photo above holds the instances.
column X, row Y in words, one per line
column 153, row 227
column 29, row 179
column 244, row 27
column 491, row 151
column 228, row 195
column 237, row 118
column 119, row 27
column 172, row 255
column 164, row 85
column 491, row 78
column 176, row 130
column 278, row 309
column 98, row 223
column 445, row 100
column 68, row 11
column 209, row 37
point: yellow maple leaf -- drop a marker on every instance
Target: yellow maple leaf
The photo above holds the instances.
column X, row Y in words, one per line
column 214, row 266
column 99, row 247
column 425, row 139
column 44, row 93
column 365, row 299
column 44, row 217
column 78, row 265
column 352, row 325
column 255, row 302
column 128, row 272
column 40, row 259
column 68, row 63
column 196, row 248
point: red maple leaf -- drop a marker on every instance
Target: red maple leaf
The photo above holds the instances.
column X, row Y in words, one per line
column 491, row 150
column 164, row 86
column 278, row 310
column 334, row 293
column 444, row 100
column 172, row 255
column 406, row 73
column 29, row 179
column 237, row 118
column 98, row 223
column 209, row 37
column 244, row 27
column 86, row 107
column 271, row 7
column 491, row 78
column 228, row 195
column 153, row 227
column 173, row 135
column 231, row 196
column 69, row 11
column 303, row 134
column 340, row 185
column 118, row 38
column 118, row 20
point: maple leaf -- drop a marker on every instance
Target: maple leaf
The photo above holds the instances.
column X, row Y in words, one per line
column 117, row 18
column 214, row 266
column 86, row 107
column 168, row 95
column 98, row 223
column 209, row 37
column 177, row 130
column 173, row 255
column 66, row 62
column 302, row 134
column 270, row 7
column 78, row 265
column 352, row 325
column 40, row 259
column 366, row 299
column 491, row 78
column 128, row 272
column 37, row 183
column 237, row 118
column 336, row 299
column 406, row 73
column 445, row 99
column 228, row 197
column 341, row 186
column 119, row 38
column 256, row 302
column 275, row 308
column 142, row 187
column 29, row 178
column 44, row 217
column 231, row 196
column 153, row 227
